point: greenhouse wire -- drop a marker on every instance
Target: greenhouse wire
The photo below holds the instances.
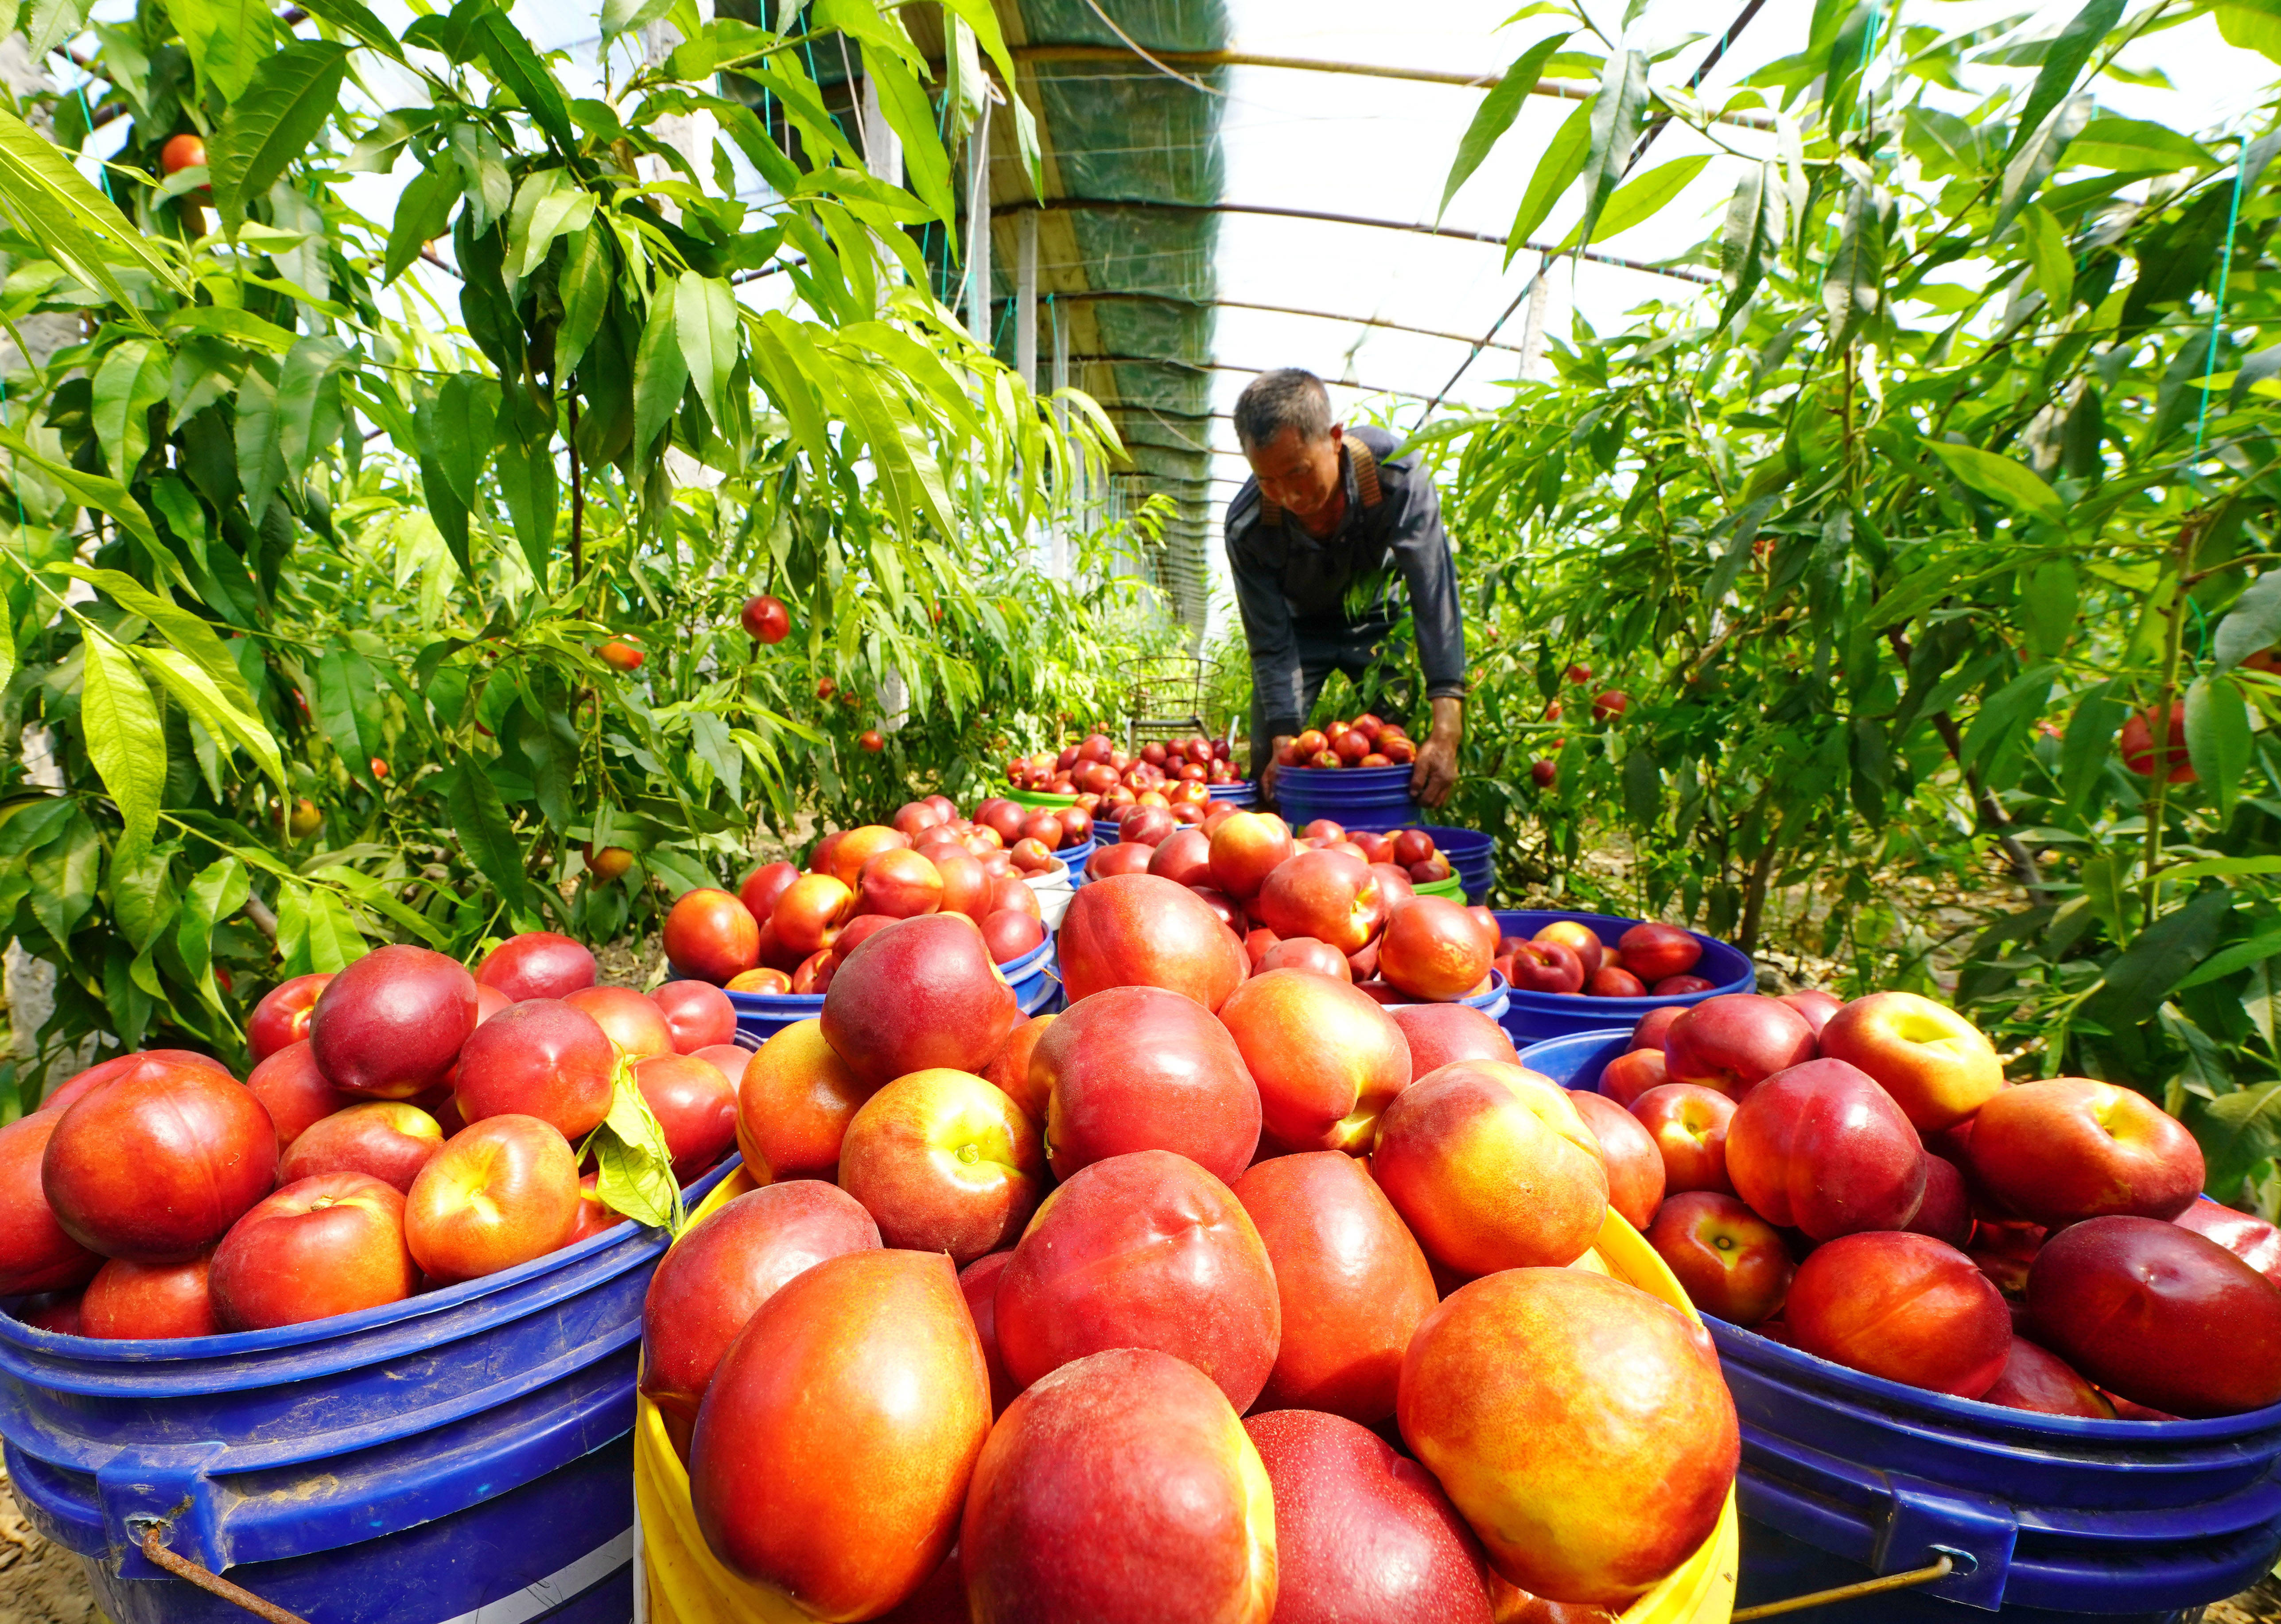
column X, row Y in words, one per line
column 1726, row 40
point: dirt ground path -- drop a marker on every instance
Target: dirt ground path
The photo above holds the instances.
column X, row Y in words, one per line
column 39, row 1583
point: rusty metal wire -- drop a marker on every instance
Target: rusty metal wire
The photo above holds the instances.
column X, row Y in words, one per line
column 211, row 1583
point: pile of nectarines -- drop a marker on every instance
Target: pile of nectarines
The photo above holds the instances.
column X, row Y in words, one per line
column 1220, row 1295
column 1365, row 741
column 1860, row 1180
column 407, row 1125
column 1324, row 899
column 1098, row 773
column 786, row 930
column 1567, row 957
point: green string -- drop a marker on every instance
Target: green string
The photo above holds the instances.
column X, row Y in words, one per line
column 12, row 460
column 102, row 170
column 2217, row 313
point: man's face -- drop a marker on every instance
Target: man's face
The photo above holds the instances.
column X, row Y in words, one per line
column 1300, row 476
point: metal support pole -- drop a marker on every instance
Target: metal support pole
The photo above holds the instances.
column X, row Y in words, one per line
column 1025, row 297
column 1532, row 331
column 977, row 230
column 883, row 148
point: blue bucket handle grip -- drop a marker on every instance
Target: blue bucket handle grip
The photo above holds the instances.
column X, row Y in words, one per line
column 1890, row 1522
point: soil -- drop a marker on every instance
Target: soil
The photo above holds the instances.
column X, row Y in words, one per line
column 39, row 1583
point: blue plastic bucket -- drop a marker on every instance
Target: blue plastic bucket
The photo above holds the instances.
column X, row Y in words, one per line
column 1492, row 1002
column 1374, row 799
column 1577, row 1060
column 1846, row 1476
column 1243, row 793
column 1534, row 1016
column 1075, row 856
column 1472, row 854
column 761, row 1015
column 466, row 1449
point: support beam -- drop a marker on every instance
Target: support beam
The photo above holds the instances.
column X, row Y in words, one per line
column 1025, row 298
column 883, row 148
column 1197, row 60
column 1090, row 298
column 1222, row 366
column 1268, row 210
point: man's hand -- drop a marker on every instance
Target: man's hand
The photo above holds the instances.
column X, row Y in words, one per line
column 1435, row 773
column 1265, row 768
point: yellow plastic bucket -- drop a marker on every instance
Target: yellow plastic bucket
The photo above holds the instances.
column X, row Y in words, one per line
column 685, row 1585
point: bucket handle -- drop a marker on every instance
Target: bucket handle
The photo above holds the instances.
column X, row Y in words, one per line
column 155, row 1551
column 1951, row 1561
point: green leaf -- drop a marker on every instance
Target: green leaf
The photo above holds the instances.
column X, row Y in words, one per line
column 216, row 894
column 2147, row 973
column 2253, row 623
column 1749, row 236
column 910, row 112
column 2047, row 606
column 2218, row 740
column 487, row 839
column 351, row 17
column 2251, row 27
column 300, row 393
column 105, row 496
column 2063, row 61
column 2002, row 480
column 1497, row 112
column 526, row 481
column 224, row 322
column 133, row 378
column 465, row 421
column 2240, row 956
column 2047, row 257
column 76, row 225
column 333, row 941
column 49, row 23
column 63, row 873
column 1617, row 113
column 661, row 370
column 2036, row 159
column 508, row 56
column 227, row 40
column 2126, row 145
column 260, row 457
column 710, row 736
column 2089, row 742
column 635, row 1164
column 123, row 736
column 2013, row 706
column 347, row 694
column 587, row 273
column 624, row 16
column 196, row 693
column 424, row 213
column 192, row 634
column 705, row 316
column 279, row 119
column 1638, row 201
column 1853, row 291
column 2221, row 866
column 1555, row 173
column 1643, row 786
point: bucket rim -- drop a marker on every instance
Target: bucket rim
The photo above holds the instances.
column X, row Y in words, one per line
column 625, row 1244
column 1889, row 1398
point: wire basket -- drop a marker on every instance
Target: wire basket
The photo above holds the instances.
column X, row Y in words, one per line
column 1166, row 696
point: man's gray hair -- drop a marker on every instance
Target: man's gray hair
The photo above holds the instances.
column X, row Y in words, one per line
column 1289, row 397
